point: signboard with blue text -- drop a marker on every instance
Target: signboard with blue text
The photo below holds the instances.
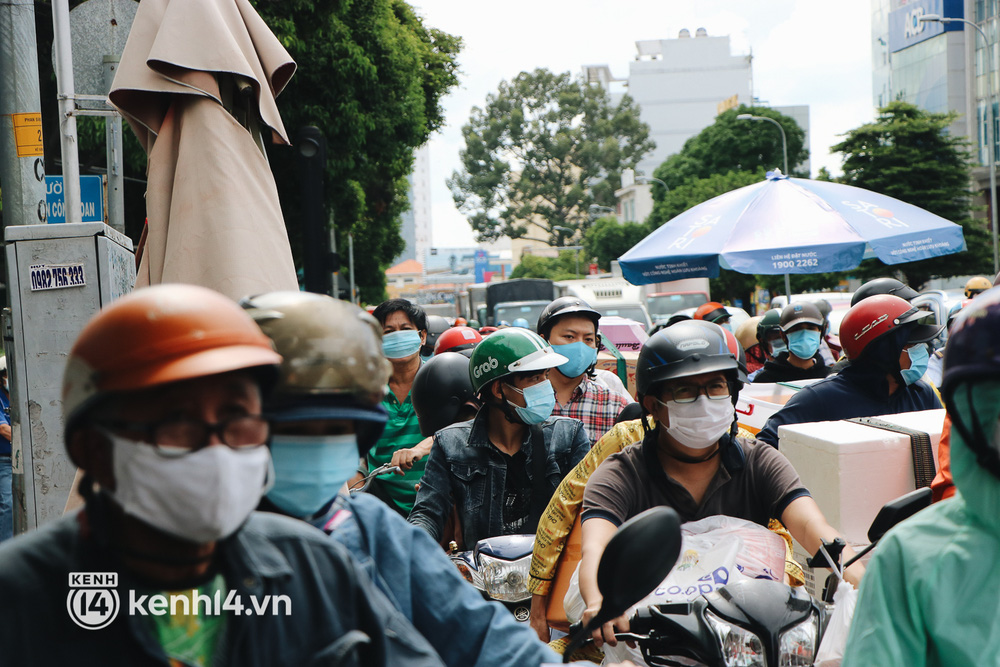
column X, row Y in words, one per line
column 482, row 265
column 91, row 199
column 906, row 28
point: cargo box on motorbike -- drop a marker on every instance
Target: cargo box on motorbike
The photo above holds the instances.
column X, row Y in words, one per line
column 853, row 470
column 759, row 401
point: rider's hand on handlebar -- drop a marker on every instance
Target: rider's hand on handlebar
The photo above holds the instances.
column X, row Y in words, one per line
column 606, row 633
column 404, row 458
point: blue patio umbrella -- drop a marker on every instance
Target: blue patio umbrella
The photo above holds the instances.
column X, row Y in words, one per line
column 789, row 225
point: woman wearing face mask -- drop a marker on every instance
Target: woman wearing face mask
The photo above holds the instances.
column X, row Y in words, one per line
column 801, row 327
column 404, row 332
column 688, row 380
column 500, row 469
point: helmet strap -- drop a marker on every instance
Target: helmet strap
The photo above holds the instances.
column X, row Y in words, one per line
column 505, row 407
column 683, row 458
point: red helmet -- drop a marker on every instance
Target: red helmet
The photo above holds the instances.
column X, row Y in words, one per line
column 457, row 339
column 711, row 311
column 876, row 316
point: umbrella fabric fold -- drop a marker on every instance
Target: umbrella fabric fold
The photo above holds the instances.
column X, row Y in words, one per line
column 789, row 225
column 214, row 218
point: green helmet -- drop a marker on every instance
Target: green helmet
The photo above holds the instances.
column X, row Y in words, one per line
column 509, row 351
column 771, row 320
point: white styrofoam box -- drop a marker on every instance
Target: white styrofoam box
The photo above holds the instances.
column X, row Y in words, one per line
column 758, row 401
column 853, row 470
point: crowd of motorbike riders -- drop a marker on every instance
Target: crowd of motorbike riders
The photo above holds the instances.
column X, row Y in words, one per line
column 217, row 442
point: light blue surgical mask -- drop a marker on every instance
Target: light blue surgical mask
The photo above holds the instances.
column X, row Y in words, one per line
column 309, row 470
column 539, row 399
column 401, row 344
column 803, row 343
column 777, row 347
column 581, row 357
column 919, row 356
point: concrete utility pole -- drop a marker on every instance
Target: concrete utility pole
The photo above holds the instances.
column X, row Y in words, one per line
column 22, row 165
column 62, row 46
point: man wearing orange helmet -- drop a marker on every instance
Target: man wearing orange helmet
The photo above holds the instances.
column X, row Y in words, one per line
column 886, row 346
column 162, row 405
column 713, row 311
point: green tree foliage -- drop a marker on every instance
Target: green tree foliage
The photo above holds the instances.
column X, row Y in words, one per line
column 607, row 239
column 371, row 76
column 562, row 267
column 542, row 150
column 908, row 153
column 729, row 144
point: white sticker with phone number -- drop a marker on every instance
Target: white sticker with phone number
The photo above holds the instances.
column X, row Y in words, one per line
column 56, row 276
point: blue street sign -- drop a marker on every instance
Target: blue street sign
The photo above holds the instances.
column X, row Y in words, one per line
column 481, row 264
column 91, row 199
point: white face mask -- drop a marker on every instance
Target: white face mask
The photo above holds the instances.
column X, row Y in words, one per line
column 699, row 424
column 200, row 497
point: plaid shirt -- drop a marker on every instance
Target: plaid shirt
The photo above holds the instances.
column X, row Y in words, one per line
column 595, row 405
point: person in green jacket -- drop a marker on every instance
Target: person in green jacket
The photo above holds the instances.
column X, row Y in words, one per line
column 930, row 593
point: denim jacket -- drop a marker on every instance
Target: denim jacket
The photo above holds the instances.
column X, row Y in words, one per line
column 416, row 575
column 466, row 470
column 337, row 616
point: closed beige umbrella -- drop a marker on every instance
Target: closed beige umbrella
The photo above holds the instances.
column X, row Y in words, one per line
column 197, row 83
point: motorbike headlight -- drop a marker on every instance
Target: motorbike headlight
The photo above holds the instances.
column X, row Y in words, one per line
column 505, row 580
column 740, row 648
column 797, row 647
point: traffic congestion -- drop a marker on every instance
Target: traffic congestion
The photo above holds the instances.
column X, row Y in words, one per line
column 251, row 415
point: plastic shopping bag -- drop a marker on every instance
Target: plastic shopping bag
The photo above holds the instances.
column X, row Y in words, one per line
column 715, row 551
column 831, row 649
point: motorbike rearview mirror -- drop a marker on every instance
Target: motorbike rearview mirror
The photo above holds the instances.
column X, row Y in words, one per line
column 897, row 511
column 626, row 573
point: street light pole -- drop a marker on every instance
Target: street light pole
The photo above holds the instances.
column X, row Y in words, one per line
column 990, row 48
column 784, row 154
column 784, row 140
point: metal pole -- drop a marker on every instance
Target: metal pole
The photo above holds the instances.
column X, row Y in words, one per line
column 62, row 45
column 350, row 260
column 784, row 139
column 333, row 249
column 116, row 172
column 22, row 165
column 788, row 288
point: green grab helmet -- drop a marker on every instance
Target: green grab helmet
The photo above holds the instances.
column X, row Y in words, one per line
column 509, row 351
column 770, row 321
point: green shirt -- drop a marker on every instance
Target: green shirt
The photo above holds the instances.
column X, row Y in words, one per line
column 402, row 431
column 192, row 639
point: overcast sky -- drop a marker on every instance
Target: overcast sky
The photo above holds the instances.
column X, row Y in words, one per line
column 805, row 52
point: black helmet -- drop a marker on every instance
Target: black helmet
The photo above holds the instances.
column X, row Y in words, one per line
column 801, row 312
column 436, row 325
column 883, row 286
column 440, row 389
column 683, row 350
column 564, row 305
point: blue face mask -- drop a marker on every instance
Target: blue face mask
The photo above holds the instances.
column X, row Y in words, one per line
column 309, row 470
column 777, row 347
column 539, row 399
column 581, row 357
column 919, row 356
column 803, row 343
column 401, row 344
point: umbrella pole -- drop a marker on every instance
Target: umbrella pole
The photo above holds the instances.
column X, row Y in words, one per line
column 788, row 288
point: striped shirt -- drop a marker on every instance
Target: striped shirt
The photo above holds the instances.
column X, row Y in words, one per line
column 595, row 405
column 402, row 431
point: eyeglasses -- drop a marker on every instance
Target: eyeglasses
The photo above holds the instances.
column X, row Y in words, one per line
column 688, row 393
column 177, row 437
